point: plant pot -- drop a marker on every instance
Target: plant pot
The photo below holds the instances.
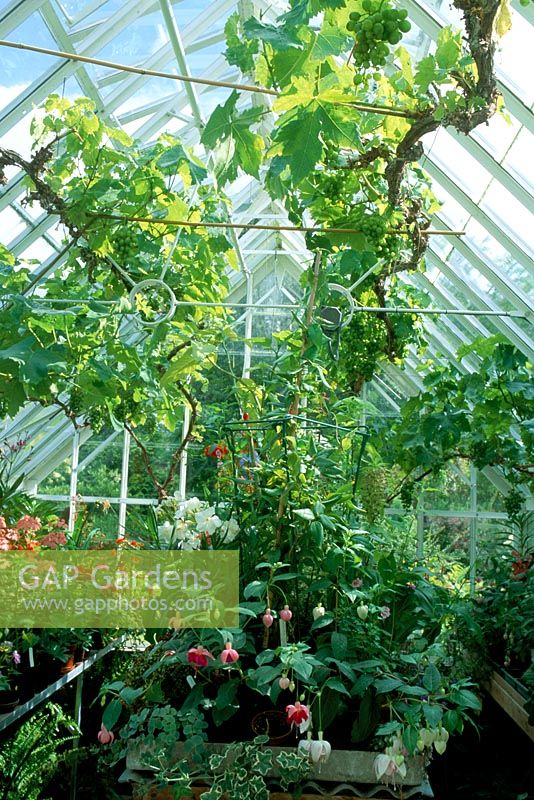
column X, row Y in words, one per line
column 9, row 699
column 274, row 724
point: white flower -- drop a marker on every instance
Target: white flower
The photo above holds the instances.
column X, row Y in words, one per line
column 212, row 524
column 229, row 530
column 202, row 517
column 165, row 532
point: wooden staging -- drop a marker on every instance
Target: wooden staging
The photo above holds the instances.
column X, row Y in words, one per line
column 511, row 701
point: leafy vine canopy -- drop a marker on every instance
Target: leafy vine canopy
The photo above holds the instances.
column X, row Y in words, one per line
column 335, row 136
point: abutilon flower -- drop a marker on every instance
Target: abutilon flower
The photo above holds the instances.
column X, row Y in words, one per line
column 198, row 656
column 104, row 736
column 229, row 655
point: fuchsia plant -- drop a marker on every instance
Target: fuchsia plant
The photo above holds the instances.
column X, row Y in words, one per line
column 199, row 656
column 229, row 655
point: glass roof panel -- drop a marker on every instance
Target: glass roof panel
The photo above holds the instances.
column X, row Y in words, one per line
column 487, row 268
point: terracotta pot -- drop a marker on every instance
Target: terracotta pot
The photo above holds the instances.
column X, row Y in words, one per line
column 274, row 724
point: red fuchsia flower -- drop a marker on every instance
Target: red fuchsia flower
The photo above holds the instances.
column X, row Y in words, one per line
column 268, row 618
column 385, row 612
column 229, row 655
column 218, row 451
column 297, row 713
column 286, row 613
column 198, row 656
column 356, row 583
column 245, row 417
column 105, row 736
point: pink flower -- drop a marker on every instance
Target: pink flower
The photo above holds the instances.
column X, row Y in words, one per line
column 286, row 613
column 385, row 612
column 198, row 656
column 3, row 525
column 268, row 618
column 229, row 655
column 298, row 713
column 15, row 655
column 284, row 682
column 105, row 736
column 27, row 523
column 54, row 539
column 356, row 583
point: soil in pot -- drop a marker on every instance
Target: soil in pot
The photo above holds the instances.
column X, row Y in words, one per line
column 273, row 723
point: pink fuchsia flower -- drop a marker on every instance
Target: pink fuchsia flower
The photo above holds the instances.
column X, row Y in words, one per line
column 229, row 655
column 286, row 613
column 105, row 736
column 15, row 655
column 198, row 656
column 284, row 682
column 385, row 612
column 268, row 618
column 297, row 713
column 357, row 583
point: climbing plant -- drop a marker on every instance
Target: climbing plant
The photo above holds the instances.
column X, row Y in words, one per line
column 343, row 146
column 68, row 334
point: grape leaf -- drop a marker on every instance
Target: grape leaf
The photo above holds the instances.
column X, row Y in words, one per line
column 301, row 143
column 329, row 42
column 449, row 49
column 280, row 38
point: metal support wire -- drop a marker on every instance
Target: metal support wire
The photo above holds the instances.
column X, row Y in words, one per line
column 293, row 306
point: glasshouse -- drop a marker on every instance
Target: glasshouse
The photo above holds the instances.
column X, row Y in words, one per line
column 266, row 399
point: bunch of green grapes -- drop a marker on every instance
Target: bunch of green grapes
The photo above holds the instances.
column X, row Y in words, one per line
column 363, row 342
column 96, row 418
column 375, row 227
column 125, row 245
column 375, row 30
column 513, row 503
column 373, row 492
column 407, row 495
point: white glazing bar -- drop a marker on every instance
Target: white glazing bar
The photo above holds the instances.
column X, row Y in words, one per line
column 473, row 526
column 184, row 455
column 247, row 348
column 124, row 482
column 74, row 479
column 420, row 534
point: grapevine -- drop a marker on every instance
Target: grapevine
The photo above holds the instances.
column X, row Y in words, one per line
column 378, row 27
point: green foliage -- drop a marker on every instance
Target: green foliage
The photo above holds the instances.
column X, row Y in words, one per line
column 29, row 759
column 483, row 415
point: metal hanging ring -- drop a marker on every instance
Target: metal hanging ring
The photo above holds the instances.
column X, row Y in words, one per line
column 347, row 318
column 141, row 287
